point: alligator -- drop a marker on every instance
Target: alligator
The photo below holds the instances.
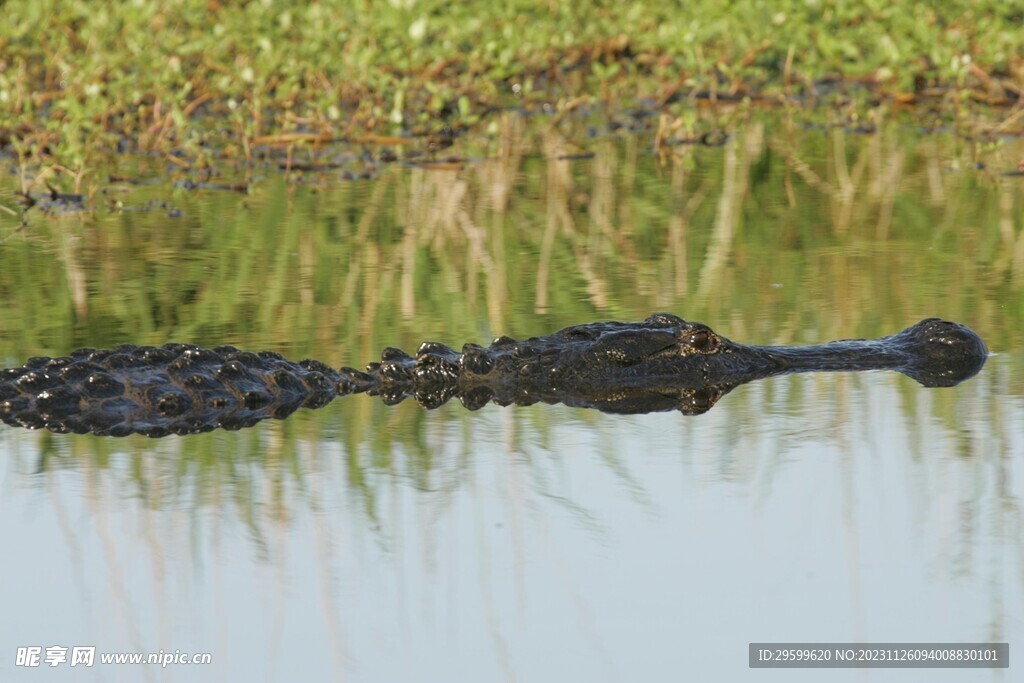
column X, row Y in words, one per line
column 663, row 363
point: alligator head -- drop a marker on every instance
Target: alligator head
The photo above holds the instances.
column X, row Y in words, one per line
column 662, row 363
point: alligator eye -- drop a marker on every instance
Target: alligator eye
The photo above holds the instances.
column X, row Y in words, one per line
column 702, row 340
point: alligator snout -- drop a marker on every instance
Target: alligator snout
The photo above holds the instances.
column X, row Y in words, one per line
column 942, row 353
column 938, row 338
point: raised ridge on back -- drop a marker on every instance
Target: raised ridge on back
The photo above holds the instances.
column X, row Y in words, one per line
column 171, row 389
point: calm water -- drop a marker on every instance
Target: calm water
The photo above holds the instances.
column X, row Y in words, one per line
column 362, row 542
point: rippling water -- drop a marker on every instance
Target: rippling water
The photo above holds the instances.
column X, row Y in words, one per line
column 370, row 543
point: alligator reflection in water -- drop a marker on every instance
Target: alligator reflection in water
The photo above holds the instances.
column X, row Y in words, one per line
column 663, row 363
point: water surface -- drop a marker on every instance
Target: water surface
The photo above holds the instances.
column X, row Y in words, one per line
column 362, row 542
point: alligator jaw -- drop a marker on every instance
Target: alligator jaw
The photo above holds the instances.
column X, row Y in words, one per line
column 934, row 352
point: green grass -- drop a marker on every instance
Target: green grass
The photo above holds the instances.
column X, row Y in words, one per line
column 76, row 77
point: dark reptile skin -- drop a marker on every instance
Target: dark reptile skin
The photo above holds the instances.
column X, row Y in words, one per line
column 172, row 389
column 662, row 363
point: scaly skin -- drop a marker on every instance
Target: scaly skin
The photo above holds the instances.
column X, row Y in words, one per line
column 662, row 363
column 173, row 389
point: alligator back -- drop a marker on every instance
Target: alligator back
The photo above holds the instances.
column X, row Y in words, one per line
column 171, row 389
